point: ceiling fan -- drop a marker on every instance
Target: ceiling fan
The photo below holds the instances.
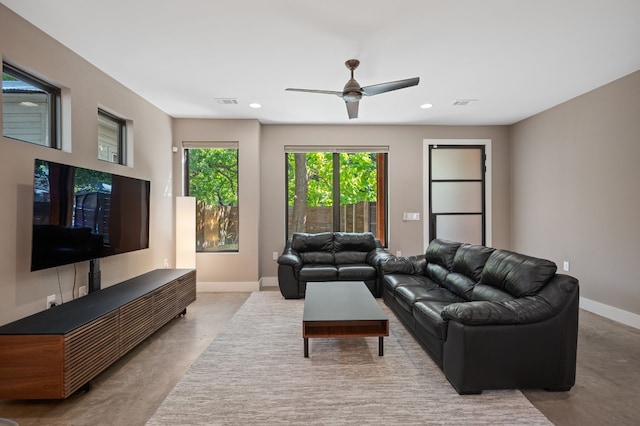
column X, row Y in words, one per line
column 352, row 92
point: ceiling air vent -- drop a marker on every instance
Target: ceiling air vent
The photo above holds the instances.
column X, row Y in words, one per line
column 463, row 102
column 227, row 101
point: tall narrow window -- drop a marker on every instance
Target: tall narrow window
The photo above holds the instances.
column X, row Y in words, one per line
column 336, row 191
column 112, row 136
column 30, row 108
column 211, row 176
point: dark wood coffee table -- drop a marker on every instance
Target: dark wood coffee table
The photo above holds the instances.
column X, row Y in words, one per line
column 342, row 309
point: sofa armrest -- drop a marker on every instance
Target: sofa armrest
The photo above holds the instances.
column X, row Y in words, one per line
column 525, row 310
column 410, row 265
column 378, row 256
column 289, row 265
column 507, row 356
column 290, row 259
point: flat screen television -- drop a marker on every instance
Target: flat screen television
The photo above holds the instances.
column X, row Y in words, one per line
column 82, row 214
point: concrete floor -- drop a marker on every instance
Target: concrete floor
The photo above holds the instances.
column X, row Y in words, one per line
column 606, row 392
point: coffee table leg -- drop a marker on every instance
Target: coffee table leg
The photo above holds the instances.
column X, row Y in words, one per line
column 380, row 346
column 306, row 347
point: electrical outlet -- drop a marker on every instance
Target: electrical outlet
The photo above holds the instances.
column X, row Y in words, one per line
column 275, row 255
column 398, row 253
column 565, row 266
column 82, row 290
column 51, row 301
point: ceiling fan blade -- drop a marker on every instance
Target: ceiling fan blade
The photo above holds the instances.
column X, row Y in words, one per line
column 324, row 92
column 376, row 89
column 352, row 109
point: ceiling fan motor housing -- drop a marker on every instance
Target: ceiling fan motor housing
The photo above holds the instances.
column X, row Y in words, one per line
column 352, row 91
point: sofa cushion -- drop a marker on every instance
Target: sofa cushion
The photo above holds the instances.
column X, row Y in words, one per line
column 440, row 255
column 342, row 257
column 442, row 252
column 356, row 272
column 436, row 272
column 348, row 241
column 427, row 314
column 460, row 285
column 318, row 272
column 303, row 242
column 391, row 282
column 408, row 295
column 317, row 257
column 489, row 293
column 468, row 264
column 470, row 260
column 517, row 274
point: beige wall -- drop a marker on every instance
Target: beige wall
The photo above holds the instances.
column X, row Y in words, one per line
column 23, row 292
column 405, row 177
column 575, row 195
column 224, row 271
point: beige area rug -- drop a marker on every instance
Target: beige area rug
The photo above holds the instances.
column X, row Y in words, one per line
column 254, row 372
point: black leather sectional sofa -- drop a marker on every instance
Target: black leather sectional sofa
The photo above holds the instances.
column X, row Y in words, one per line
column 491, row 319
column 330, row 256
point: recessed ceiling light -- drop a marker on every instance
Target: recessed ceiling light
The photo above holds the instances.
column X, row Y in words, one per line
column 426, row 106
column 255, row 105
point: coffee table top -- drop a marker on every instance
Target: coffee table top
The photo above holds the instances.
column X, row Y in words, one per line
column 340, row 301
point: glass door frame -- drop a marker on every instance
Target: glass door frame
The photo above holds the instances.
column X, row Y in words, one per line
column 462, row 143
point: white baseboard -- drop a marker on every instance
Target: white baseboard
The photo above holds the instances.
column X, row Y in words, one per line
column 615, row 314
column 212, row 287
column 268, row 282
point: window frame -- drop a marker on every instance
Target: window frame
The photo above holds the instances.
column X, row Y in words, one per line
column 382, row 206
column 121, row 143
column 186, row 147
column 54, row 94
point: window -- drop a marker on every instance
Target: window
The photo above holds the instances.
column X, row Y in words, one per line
column 30, row 108
column 336, row 191
column 112, row 135
column 211, row 176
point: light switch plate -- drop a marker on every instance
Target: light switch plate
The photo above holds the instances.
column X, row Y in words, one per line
column 410, row 216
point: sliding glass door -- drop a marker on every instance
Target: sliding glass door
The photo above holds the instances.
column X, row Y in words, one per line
column 336, row 191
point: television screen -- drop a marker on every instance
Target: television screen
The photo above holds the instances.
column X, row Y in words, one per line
column 81, row 214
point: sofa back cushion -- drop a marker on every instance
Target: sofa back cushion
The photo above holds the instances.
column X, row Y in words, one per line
column 354, row 241
column 352, row 247
column 466, row 270
column 490, row 293
column 516, row 274
column 439, row 255
column 314, row 248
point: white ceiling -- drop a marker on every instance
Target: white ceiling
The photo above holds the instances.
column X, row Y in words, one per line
column 516, row 57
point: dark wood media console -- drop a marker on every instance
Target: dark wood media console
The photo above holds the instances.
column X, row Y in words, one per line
column 52, row 354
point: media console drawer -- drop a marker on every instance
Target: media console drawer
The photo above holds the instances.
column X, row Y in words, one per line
column 52, row 354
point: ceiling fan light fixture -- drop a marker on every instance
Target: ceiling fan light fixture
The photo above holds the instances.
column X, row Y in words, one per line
column 352, row 96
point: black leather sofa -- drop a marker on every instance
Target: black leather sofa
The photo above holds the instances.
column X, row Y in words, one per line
column 491, row 319
column 330, row 256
